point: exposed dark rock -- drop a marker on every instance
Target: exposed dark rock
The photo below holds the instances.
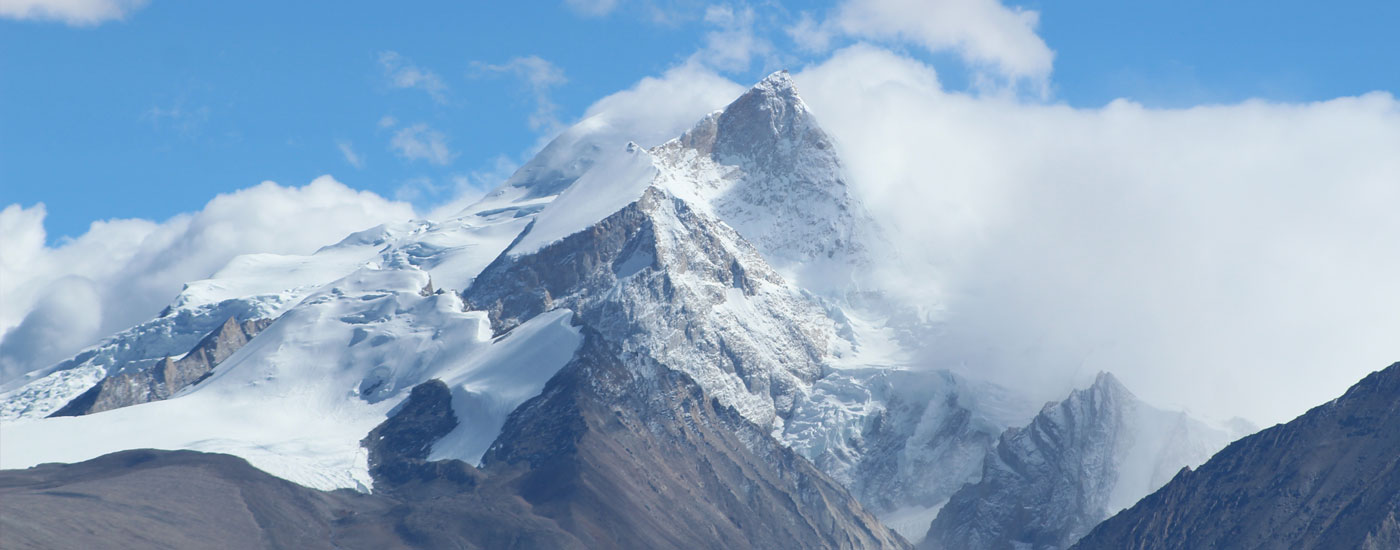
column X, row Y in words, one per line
column 398, row 448
column 1328, row 479
column 168, row 376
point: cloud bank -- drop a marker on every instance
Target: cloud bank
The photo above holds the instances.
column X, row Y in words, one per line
column 59, row 299
column 1232, row 259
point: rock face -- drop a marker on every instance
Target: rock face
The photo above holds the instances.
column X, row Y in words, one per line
column 1328, row 479
column 168, row 376
column 399, row 447
column 1044, row 486
column 640, row 456
column 660, row 277
column 630, row 455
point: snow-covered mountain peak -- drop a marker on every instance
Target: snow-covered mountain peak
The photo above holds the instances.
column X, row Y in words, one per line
column 1106, row 391
column 765, row 122
column 764, row 166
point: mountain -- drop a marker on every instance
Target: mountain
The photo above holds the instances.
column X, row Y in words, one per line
column 621, row 346
column 1079, row 461
column 1328, row 479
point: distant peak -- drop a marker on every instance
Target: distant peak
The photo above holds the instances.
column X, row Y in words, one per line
column 1107, row 382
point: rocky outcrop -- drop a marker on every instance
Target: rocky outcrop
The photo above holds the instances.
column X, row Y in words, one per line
column 399, row 448
column 1328, row 479
column 168, row 376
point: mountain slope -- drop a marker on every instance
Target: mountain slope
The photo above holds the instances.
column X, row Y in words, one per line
column 1328, row 479
column 1077, row 462
column 624, row 452
column 145, row 498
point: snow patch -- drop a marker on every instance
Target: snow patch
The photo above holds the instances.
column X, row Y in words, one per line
column 613, row 183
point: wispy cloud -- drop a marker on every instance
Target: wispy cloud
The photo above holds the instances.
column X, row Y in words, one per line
column 348, row 151
column 540, row 76
column 72, row 12
column 420, row 142
column 404, row 74
column 592, row 8
column 733, row 44
column 183, row 120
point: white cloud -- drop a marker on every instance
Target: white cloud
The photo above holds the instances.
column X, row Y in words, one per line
column 72, row 12
column 1236, row 260
column 404, row 74
column 657, row 109
column 592, row 8
column 386, row 122
column 809, row 34
column 347, row 150
column 999, row 42
column 541, row 77
column 59, row 299
column 420, row 142
column 417, row 190
column 733, row 44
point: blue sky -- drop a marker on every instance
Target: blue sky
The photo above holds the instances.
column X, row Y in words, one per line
column 153, row 113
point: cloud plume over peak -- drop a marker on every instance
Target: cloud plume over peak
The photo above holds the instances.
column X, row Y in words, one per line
column 1232, row 259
